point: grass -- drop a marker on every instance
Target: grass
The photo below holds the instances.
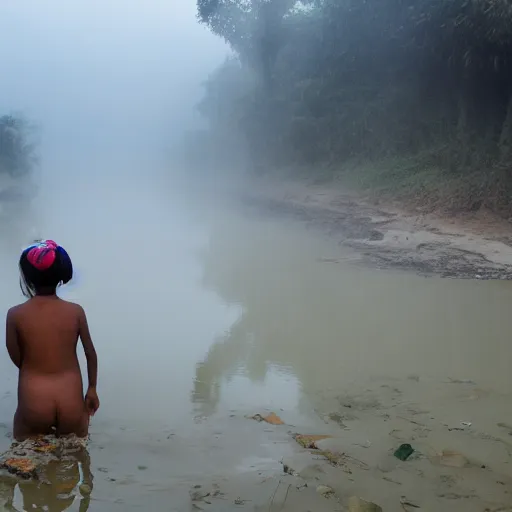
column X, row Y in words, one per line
column 419, row 182
column 428, row 187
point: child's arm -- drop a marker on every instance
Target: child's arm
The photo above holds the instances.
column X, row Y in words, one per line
column 91, row 398
column 11, row 339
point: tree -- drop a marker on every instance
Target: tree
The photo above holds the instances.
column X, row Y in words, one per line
column 17, row 147
column 253, row 28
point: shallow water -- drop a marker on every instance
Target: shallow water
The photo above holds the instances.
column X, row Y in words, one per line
column 202, row 313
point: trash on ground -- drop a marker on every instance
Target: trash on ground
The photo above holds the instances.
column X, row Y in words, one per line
column 271, row 418
column 463, row 426
column 309, row 441
column 404, row 452
column 356, row 504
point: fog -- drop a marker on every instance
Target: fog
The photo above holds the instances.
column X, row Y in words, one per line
column 104, row 76
column 211, row 309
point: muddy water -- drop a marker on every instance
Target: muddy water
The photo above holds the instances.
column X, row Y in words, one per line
column 202, row 314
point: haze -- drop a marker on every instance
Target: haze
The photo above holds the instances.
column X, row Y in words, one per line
column 104, row 74
column 213, row 303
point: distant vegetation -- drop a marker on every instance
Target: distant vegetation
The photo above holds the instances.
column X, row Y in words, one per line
column 17, row 146
column 410, row 97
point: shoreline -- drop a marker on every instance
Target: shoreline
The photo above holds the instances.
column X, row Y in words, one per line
column 471, row 246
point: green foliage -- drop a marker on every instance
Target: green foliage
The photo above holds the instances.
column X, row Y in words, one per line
column 17, row 148
column 325, row 82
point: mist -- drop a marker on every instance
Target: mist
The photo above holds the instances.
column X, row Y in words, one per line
column 253, row 193
column 104, row 78
column 110, row 86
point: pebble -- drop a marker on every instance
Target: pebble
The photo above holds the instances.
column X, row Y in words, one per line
column 85, row 489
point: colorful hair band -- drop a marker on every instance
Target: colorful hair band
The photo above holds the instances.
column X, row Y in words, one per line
column 42, row 254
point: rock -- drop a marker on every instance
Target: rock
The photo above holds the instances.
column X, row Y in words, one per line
column 325, row 491
column 289, row 470
column 356, row 504
column 85, row 490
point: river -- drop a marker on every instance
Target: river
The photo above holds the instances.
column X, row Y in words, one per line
column 203, row 313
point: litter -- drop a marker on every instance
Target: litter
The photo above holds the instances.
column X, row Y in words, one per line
column 404, row 452
column 271, row 418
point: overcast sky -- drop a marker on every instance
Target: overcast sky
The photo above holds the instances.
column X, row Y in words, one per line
column 103, row 66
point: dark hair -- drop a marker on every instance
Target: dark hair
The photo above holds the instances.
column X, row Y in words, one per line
column 34, row 281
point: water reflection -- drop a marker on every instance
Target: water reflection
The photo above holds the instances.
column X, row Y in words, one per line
column 63, row 484
column 225, row 356
column 331, row 325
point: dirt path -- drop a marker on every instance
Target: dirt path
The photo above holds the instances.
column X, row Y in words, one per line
column 476, row 246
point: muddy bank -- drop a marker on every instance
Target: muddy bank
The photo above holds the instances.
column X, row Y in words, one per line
column 460, row 460
column 476, row 246
column 346, row 461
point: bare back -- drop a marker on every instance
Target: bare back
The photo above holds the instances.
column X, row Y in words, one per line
column 48, row 330
column 41, row 337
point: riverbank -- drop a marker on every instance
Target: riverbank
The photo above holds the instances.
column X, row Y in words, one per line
column 476, row 245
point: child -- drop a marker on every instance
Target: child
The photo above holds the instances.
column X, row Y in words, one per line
column 41, row 337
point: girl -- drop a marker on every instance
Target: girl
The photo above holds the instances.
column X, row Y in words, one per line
column 41, row 337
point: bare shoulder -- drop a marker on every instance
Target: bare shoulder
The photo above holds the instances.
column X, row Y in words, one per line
column 13, row 313
column 73, row 307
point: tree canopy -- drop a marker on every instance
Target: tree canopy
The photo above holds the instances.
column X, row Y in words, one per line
column 326, row 81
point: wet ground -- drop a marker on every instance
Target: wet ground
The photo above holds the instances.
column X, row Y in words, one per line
column 203, row 314
column 470, row 245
